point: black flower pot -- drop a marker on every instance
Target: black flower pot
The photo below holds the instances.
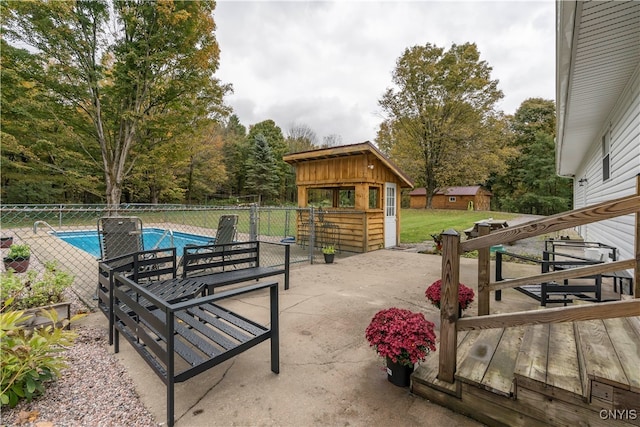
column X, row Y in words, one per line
column 328, row 258
column 398, row 374
column 6, row 242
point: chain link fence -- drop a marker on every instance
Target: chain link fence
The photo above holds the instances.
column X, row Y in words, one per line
column 73, row 236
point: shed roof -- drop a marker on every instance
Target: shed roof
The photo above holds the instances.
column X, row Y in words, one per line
column 348, row 150
column 471, row 190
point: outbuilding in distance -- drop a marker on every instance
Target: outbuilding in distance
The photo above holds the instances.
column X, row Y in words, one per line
column 355, row 192
column 459, row 198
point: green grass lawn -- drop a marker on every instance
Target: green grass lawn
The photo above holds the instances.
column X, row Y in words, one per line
column 417, row 225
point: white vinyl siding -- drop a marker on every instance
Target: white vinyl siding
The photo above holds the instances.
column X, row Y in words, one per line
column 624, row 162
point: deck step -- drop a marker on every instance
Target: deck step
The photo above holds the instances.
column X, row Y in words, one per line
column 609, row 354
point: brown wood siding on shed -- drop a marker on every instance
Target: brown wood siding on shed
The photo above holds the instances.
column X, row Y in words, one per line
column 353, row 227
column 418, row 202
column 480, row 202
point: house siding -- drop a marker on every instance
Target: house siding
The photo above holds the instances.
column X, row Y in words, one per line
column 624, row 166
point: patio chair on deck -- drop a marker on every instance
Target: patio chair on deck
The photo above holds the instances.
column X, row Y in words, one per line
column 119, row 236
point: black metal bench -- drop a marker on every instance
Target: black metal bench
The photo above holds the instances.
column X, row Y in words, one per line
column 142, row 267
column 548, row 292
column 221, row 265
column 180, row 340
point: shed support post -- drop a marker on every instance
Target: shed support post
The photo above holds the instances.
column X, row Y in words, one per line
column 449, row 305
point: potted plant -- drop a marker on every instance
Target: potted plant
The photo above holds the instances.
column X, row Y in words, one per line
column 403, row 338
column 465, row 295
column 17, row 258
column 35, row 292
column 329, row 252
column 6, row 242
column 437, row 239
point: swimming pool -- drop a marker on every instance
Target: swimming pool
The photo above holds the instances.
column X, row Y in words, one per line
column 153, row 238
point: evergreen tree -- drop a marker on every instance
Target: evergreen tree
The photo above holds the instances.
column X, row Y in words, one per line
column 262, row 167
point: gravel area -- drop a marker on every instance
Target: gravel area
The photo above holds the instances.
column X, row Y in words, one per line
column 86, row 394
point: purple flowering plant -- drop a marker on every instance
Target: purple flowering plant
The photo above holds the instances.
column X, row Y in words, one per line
column 401, row 335
column 465, row 294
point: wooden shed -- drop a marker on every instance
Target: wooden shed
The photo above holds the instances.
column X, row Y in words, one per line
column 458, row 198
column 355, row 192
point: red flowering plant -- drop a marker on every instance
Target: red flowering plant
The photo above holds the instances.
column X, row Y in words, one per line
column 401, row 335
column 465, row 294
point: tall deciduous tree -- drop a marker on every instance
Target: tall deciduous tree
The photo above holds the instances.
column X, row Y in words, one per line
column 530, row 184
column 124, row 66
column 440, row 116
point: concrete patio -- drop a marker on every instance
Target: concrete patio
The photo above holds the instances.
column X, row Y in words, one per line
column 328, row 373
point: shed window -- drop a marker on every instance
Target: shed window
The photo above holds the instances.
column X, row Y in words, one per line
column 452, row 199
column 320, row 197
column 606, row 174
column 347, row 197
column 336, row 197
column 374, row 197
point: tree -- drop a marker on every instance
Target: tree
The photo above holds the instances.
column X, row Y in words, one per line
column 260, row 166
column 300, row 137
column 42, row 160
column 530, row 184
column 440, row 116
column 236, row 153
column 124, row 67
column 331, row 140
column 273, row 136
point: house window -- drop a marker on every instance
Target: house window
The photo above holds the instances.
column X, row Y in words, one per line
column 606, row 174
column 452, row 199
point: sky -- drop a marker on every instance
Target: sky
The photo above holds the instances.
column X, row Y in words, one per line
column 326, row 64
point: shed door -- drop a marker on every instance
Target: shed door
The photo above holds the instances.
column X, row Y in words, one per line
column 390, row 217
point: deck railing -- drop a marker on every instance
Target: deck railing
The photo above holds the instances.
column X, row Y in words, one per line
column 452, row 248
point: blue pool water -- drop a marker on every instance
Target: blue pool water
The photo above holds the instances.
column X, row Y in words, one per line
column 153, row 238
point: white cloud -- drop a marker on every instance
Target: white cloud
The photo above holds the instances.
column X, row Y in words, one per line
column 326, row 64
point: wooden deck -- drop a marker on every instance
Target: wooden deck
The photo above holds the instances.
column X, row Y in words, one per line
column 561, row 374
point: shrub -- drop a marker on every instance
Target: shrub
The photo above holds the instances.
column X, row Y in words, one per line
column 31, row 290
column 29, row 358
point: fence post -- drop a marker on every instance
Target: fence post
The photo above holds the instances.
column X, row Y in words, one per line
column 253, row 222
column 312, row 232
column 484, row 266
column 287, row 221
column 449, row 305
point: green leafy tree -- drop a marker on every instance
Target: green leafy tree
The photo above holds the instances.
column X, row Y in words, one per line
column 530, row 184
column 440, row 117
column 260, row 166
column 125, row 68
column 42, row 158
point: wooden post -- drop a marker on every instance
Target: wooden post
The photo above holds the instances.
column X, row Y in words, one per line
column 483, row 272
column 449, row 305
column 636, row 273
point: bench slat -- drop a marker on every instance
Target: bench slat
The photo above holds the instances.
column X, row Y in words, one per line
column 235, row 319
column 215, row 321
column 209, row 332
